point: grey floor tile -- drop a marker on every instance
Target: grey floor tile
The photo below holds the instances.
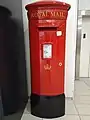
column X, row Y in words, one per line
column 70, row 108
column 85, row 117
column 30, row 117
column 83, row 109
column 27, row 109
column 80, row 99
column 70, row 117
column 52, row 119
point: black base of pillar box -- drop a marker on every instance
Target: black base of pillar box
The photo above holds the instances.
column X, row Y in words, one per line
column 47, row 106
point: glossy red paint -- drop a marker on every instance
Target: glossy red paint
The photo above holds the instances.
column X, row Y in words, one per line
column 46, row 21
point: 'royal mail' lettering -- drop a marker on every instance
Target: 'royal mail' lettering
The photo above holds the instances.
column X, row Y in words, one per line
column 45, row 14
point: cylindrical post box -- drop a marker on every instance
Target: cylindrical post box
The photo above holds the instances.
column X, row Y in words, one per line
column 47, row 28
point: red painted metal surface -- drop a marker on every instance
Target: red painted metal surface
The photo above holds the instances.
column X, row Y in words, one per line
column 46, row 21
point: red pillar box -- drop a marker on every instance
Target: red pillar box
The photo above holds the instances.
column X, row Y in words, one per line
column 47, row 28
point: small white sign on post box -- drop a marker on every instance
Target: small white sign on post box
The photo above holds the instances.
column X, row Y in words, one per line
column 47, row 51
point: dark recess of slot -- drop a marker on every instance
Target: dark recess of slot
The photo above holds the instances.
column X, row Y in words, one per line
column 47, row 28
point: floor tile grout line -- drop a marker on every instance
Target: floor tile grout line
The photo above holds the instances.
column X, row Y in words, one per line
column 78, row 103
column 86, row 84
column 83, row 104
column 80, row 95
column 75, row 107
column 83, row 115
column 79, row 117
column 71, row 114
column 77, row 110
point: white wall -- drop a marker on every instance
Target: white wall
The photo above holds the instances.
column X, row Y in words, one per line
column 26, row 36
column 85, row 48
column 84, row 4
column 71, row 48
column 70, row 45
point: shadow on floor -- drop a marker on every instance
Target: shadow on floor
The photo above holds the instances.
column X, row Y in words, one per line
column 16, row 116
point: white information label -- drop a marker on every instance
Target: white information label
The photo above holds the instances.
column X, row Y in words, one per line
column 59, row 33
column 47, row 51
